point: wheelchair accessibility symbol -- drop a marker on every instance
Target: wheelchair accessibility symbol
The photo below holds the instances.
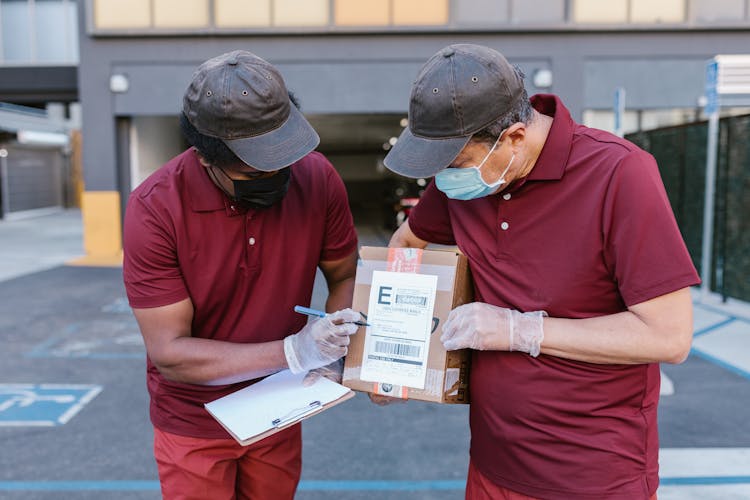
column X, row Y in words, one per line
column 43, row 405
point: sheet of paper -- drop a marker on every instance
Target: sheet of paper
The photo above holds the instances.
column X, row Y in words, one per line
column 252, row 410
column 397, row 341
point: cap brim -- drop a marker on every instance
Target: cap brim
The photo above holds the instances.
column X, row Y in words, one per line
column 278, row 148
column 418, row 157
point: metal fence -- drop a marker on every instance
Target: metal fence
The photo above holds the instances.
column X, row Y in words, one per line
column 681, row 154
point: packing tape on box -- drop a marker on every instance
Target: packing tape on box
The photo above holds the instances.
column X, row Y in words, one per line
column 433, row 383
column 445, row 274
column 451, row 381
column 404, row 260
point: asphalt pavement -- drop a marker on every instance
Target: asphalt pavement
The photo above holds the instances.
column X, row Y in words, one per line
column 74, row 408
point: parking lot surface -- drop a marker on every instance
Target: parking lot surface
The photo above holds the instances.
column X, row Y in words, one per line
column 74, row 408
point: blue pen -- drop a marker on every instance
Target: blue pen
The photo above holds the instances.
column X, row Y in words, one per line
column 322, row 314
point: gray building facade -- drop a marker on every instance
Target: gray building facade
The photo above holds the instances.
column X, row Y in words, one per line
column 38, row 105
column 353, row 81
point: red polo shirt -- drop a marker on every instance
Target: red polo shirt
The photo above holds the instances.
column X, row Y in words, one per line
column 244, row 271
column 589, row 232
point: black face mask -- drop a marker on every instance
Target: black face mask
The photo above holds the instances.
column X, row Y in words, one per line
column 261, row 193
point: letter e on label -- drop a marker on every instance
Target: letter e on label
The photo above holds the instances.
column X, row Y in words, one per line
column 384, row 295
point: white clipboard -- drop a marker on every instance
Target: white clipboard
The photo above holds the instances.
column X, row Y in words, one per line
column 273, row 404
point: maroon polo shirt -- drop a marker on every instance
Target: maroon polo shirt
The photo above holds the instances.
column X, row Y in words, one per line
column 244, row 271
column 588, row 233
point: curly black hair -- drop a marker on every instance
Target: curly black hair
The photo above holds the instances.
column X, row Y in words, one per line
column 212, row 149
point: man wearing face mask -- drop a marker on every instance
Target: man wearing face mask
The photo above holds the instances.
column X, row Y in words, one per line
column 581, row 280
column 220, row 244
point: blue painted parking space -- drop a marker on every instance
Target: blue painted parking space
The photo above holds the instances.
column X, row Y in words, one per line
column 45, row 405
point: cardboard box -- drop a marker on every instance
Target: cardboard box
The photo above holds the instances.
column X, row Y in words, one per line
column 401, row 350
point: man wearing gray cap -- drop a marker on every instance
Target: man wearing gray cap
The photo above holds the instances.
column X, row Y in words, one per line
column 220, row 244
column 581, row 280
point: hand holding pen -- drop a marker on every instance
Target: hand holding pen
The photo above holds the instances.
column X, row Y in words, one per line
column 322, row 314
column 321, row 342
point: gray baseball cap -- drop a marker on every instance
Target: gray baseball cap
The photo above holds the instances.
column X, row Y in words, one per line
column 460, row 90
column 242, row 99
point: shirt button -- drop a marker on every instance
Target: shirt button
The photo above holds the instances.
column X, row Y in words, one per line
column 251, row 241
column 504, row 226
column 506, row 196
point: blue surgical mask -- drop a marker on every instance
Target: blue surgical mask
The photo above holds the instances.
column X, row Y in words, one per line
column 466, row 183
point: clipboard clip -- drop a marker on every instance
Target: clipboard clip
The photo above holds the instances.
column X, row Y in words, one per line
column 295, row 414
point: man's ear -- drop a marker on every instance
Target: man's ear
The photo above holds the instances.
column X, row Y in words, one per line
column 201, row 159
column 516, row 133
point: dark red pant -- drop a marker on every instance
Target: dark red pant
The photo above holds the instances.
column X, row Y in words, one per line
column 478, row 487
column 195, row 468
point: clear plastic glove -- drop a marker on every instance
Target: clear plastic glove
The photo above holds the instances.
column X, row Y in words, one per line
column 334, row 371
column 491, row 328
column 320, row 342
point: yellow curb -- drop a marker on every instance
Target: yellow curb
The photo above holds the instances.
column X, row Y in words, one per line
column 97, row 261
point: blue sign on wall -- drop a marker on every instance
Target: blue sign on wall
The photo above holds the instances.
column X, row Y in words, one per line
column 43, row 405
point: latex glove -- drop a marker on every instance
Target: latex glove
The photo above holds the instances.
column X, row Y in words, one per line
column 320, row 342
column 334, row 371
column 491, row 328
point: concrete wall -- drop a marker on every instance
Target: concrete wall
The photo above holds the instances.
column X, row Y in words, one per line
column 359, row 74
column 342, row 73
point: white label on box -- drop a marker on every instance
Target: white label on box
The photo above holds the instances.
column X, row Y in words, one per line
column 397, row 341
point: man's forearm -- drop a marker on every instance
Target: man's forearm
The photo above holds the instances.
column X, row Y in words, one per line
column 659, row 330
column 213, row 362
column 620, row 338
column 340, row 295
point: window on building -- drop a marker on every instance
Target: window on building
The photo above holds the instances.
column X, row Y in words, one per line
column 359, row 13
column 597, row 11
column 181, row 13
column 205, row 14
column 301, row 13
column 38, row 31
column 663, row 11
column 391, row 12
column 631, row 11
column 15, row 16
column 51, row 31
column 420, row 12
column 242, row 13
column 122, row 14
column 247, row 14
column 481, row 12
column 709, row 11
column 538, row 11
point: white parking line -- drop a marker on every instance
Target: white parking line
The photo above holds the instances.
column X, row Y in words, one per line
column 728, row 343
column 704, row 473
column 704, row 462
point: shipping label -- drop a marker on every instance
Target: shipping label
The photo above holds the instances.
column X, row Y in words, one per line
column 398, row 339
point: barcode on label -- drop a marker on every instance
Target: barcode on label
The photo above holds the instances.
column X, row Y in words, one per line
column 414, row 300
column 411, row 351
